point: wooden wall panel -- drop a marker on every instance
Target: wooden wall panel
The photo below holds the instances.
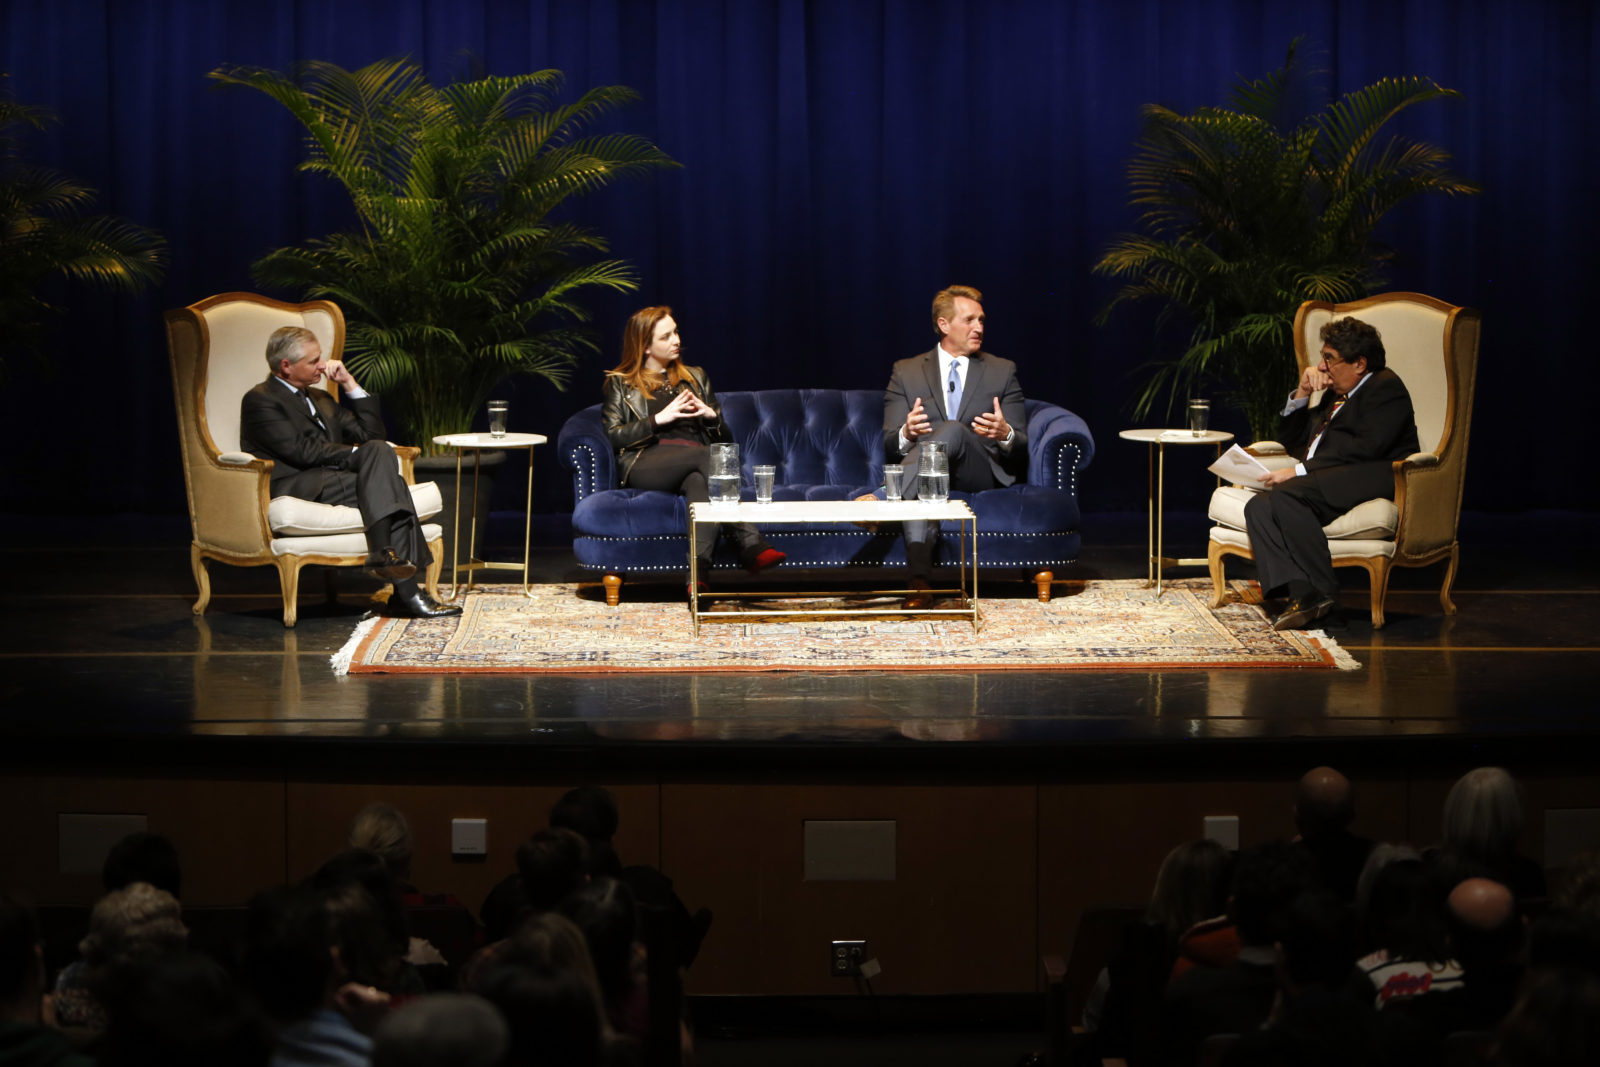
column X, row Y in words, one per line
column 1101, row 843
column 958, row 918
column 318, row 814
column 229, row 834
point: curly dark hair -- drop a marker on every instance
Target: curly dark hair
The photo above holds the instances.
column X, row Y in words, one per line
column 1353, row 340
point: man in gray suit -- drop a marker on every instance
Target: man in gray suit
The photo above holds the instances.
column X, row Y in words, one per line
column 321, row 451
column 964, row 397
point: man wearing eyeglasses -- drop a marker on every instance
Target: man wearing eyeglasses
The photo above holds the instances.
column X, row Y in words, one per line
column 1346, row 443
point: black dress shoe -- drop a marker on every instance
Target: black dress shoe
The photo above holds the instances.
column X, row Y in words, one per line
column 1303, row 611
column 415, row 604
column 391, row 568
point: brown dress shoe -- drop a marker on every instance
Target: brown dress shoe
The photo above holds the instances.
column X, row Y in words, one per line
column 920, row 599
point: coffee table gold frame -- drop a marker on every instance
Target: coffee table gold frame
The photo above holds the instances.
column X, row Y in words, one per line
column 477, row 444
column 1156, row 558
column 836, row 511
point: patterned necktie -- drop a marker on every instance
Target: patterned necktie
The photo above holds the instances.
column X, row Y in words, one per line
column 953, row 403
column 312, row 408
column 1338, row 402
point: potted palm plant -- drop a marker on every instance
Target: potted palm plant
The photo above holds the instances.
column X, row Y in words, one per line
column 46, row 234
column 460, row 271
column 1251, row 210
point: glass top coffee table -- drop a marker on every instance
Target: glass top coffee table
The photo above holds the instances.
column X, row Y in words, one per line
column 837, row 511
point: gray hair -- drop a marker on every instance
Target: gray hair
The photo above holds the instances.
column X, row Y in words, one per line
column 381, row 829
column 140, row 920
column 1483, row 815
column 287, row 343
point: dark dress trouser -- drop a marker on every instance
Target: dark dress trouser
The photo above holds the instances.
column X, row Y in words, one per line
column 1286, row 539
column 684, row 469
column 969, row 473
column 377, row 489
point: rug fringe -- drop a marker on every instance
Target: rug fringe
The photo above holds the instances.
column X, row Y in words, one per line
column 341, row 659
column 1341, row 659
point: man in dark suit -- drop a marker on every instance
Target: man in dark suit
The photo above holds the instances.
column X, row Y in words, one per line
column 964, row 397
column 1346, row 443
column 320, row 451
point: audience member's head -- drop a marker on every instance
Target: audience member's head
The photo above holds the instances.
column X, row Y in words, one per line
column 359, row 867
column 379, row 828
column 1405, row 913
column 604, row 911
column 442, row 1030
column 590, row 811
column 1555, row 1022
column 1580, row 888
column 1483, row 816
column 289, row 955
column 1485, row 926
column 1324, row 804
column 21, row 962
column 553, row 942
column 1317, row 948
column 130, row 923
column 1382, row 854
column 552, row 863
column 1266, row 880
column 143, row 857
column 1564, row 939
column 552, row 1018
column 367, row 953
column 1191, row 885
column 179, row 1010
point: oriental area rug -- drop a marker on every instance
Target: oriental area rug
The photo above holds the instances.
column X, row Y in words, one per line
column 1088, row 625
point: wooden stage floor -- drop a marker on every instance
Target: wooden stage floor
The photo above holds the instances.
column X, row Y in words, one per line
column 100, row 646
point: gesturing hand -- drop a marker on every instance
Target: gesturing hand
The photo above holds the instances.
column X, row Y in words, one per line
column 992, row 424
column 917, row 423
column 699, row 407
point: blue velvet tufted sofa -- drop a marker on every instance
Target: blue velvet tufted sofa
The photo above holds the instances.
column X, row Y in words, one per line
column 827, row 445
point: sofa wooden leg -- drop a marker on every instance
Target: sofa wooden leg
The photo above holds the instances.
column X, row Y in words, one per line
column 1043, row 580
column 613, row 584
column 1445, row 602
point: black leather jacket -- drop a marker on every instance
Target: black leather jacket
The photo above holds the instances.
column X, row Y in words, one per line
column 625, row 413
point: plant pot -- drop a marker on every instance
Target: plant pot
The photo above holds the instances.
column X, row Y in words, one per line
column 442, row 471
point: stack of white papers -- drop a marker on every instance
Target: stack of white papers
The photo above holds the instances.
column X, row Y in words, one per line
column 1240, row 467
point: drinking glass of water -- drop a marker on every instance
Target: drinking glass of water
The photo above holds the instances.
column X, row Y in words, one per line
column 765, row 473
column 1199, row 417
column 498, row 410
column 892, row 475
column 724, row 474
column 933, row 473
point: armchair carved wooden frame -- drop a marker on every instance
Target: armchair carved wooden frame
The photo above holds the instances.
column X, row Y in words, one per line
column 218, row 351
column 1433, row 347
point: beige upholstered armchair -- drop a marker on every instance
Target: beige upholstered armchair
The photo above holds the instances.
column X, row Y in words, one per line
column 218, row 349
column 1433, row 347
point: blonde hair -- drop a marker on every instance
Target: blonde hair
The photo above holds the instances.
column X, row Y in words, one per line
column 944, row 302
column 379, row 828
column 139, row 920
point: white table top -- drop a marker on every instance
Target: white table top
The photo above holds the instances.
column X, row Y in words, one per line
column 832, row 511
column 484, row 440
column 1156, row 436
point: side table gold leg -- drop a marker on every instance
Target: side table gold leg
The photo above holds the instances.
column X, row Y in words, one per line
column 1161, row 517
column 455, row 536
column 1150, row 517
column 527, row 529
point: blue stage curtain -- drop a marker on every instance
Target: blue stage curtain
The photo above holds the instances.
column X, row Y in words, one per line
column 843, row 160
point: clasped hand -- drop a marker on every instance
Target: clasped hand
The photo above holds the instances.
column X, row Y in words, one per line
column 686, row 405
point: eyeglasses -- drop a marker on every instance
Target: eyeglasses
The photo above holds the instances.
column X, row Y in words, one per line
column 1333, row 358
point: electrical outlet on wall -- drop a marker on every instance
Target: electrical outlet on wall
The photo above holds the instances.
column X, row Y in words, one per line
column 845, row 959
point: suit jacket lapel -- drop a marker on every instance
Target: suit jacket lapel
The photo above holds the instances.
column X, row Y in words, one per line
column 930, row 367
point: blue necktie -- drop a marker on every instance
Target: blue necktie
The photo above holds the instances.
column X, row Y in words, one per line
column 953, row 403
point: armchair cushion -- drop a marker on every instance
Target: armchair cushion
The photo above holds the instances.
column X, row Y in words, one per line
column 290, row 516
column 342, row 544
column 1371, row 520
